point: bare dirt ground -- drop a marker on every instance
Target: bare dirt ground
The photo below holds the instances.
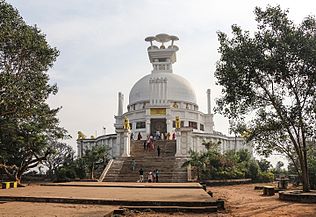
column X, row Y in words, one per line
column 240, row 200
column 26, row 209
column 244, row 201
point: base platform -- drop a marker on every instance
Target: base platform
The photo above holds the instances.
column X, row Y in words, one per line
column 151, row 195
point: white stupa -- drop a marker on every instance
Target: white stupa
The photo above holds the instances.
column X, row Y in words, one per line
column 156, row 101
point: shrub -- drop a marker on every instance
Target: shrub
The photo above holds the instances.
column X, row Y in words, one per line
column 265, row 177
column 253, row 170
column 312, row 174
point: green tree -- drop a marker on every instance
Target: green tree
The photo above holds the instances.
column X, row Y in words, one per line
column 62, row 154
column 311, row 160
column 279, row 165
column 243, row 155
column 71, row 170
column 253, row 169
column 198, row 161
column 27, row 123
column 95, row 157
column 214, row 165
column 272, row 77
column 264, row 165
column 312, row 164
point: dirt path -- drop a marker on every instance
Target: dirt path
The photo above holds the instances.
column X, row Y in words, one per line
column 243, row 200
column 240, row 201
column 25, row 209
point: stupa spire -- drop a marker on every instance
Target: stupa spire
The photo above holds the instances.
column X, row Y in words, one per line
column 162, row 57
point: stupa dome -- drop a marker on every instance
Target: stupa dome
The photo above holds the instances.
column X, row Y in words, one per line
column 178, row 88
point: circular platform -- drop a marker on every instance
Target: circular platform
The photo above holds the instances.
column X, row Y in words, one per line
column 298, row 196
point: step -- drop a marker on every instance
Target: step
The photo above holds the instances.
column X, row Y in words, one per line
column 168, row 165
column 203, row 209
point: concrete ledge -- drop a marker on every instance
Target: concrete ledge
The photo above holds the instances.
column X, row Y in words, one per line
column 224, row 182
column 128, row 185
column 298, row 196
column 108, row 202
column 205, row 209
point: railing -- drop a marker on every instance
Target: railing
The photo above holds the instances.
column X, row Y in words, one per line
column 105, row 171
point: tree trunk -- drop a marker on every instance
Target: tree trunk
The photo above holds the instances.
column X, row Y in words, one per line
column 92, row 169
column 302, row 157
column 305, row 177
column 18, row 180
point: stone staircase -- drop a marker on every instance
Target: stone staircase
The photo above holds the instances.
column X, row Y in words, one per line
column 169, row 166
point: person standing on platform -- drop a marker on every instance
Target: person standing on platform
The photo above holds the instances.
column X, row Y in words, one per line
column 133, row 164
column 150, row 177
column 139, row 136
column 174, row 136
column 141, row 175
column 132, row 136
column 153, row 146
column 148, row 144
column 145, row 145
column 158, row 151
column 154, row 175
column 158, row 135
column 162, row 136
column 157, row 174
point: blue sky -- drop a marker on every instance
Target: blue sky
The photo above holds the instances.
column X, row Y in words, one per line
column 102, row 48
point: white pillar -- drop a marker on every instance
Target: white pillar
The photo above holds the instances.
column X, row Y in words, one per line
column 169, row 125
column 156, row 92
column 127, row 143
column 159, row 90
column 189, row 171
column 150, row 89
column 147, row 128
column 178, row 144
column 165, row 90
column 120, row 104
column 209, row 109
column 162, row 90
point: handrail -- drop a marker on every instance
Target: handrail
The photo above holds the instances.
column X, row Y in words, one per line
column 105, row 171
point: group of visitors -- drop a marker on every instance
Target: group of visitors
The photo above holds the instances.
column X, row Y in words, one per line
column 164, row 136
column 139, row 136
column 156, row 136
column 149, row 145
column 153, row 176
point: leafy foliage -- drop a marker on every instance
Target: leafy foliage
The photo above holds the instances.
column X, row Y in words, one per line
column 264, row 165
column 27, row 123
column 93, row 159
column 71, row 170
column 230, row 165
column 61, row 154
column 272, row 77
column 311, row 161
column 96, row 157
column 312, row 165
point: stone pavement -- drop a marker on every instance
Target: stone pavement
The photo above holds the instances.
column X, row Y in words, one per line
column 128, row 184
column 29, row 209
column 164, row 196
